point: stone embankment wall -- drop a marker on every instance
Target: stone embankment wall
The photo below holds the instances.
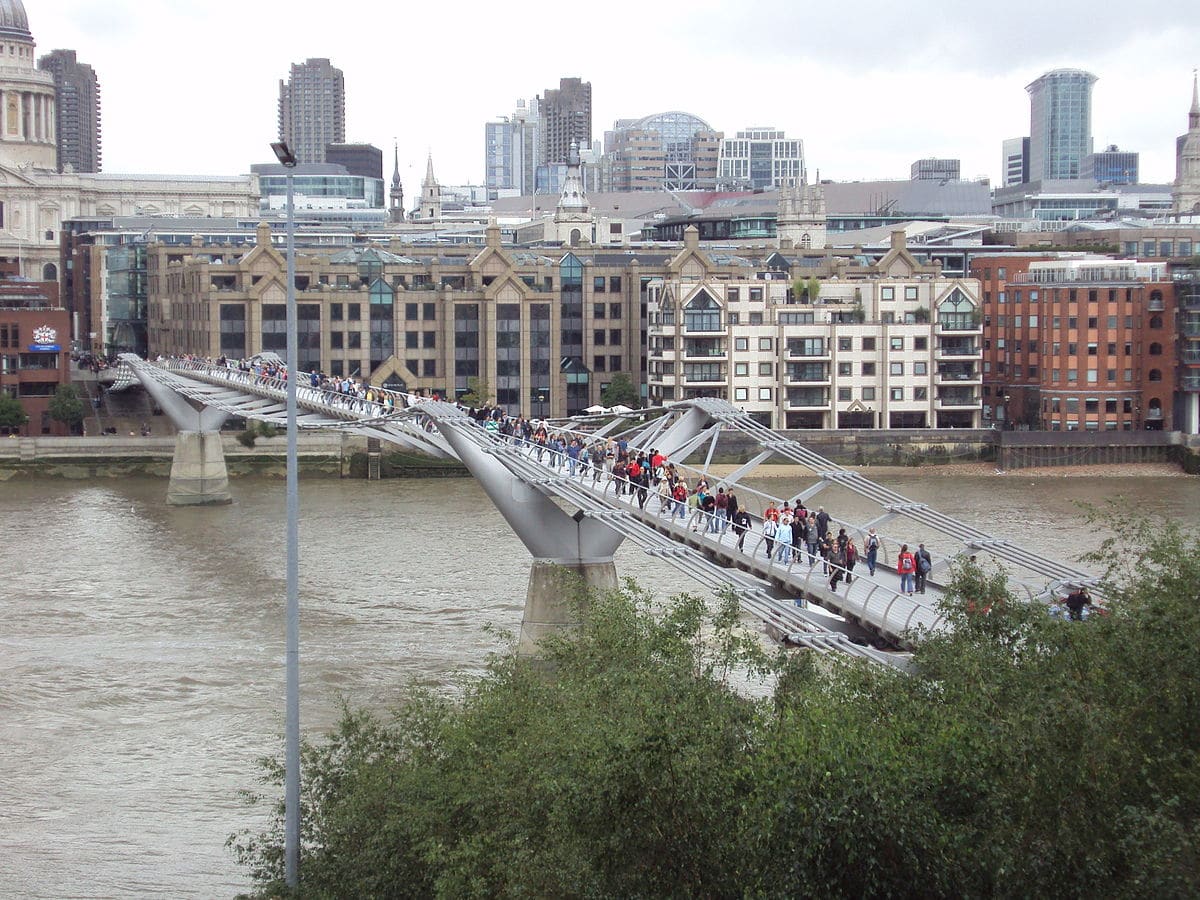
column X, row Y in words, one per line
column 1048, row 449
column 898, row 447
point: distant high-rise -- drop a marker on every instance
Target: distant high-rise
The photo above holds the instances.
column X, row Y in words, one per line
column 932, row 169
column 359, row 159
column 511, row 150
column 1112, row 166
column 1060, row 124
column 566, row 117
column 761, row 158
column 673, row 150
column 1016, row 162
column 77, row 112
column 312, row 109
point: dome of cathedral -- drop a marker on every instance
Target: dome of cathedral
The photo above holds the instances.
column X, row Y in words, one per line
column 13, row 21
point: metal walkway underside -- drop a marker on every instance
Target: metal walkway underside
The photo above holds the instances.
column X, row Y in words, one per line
column 767, row 588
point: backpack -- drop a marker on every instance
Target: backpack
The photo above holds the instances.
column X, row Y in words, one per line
column 872, row 543
column 904, row 564
column 923, row 565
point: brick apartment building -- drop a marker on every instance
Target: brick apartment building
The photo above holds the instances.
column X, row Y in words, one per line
column 34, row 350
column 1077, row 344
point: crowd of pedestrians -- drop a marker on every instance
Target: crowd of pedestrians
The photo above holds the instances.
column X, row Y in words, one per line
column 789, row 534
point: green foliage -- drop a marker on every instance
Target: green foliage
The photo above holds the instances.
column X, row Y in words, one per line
column 1026, row 756
column 254, row 430
column 12, row 414
column 813, row 289
column 479, row 393
column 621, row 391
column 65, row 406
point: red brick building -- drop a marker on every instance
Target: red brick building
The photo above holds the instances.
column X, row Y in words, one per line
column 1077, row 343
column 34, row 349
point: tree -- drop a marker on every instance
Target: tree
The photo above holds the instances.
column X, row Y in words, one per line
column 813, row 288
column 66, row 407
column 479, row 393
column 1024, row 756
column 12, row 414
column 621, row 391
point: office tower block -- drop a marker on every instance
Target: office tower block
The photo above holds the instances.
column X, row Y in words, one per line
column 312, row 109
column 1111, row 166
column 932, row 169
column 359, row 159
column 1016, row 162
column 77, row 116
column 1060, row 124
column 566, row 115
column 511, row 150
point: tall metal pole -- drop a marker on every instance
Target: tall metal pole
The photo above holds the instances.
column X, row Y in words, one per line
column 292, row 720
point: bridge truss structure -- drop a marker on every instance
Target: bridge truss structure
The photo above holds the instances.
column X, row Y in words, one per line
column 580, row 518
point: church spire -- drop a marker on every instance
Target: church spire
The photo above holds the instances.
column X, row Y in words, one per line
column 431, row 194
column 1194, row 114
column 396, row 195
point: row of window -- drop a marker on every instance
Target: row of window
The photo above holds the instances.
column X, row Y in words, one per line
column 844, row 395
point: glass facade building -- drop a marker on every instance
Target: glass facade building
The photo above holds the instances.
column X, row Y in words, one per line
column 1060, row 124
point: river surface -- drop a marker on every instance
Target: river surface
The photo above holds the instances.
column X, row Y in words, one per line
column 141, row 646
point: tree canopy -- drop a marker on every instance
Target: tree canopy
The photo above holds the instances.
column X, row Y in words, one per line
column 65, row 406
column 12, row 414
column 621, row 391
column 1024, row 756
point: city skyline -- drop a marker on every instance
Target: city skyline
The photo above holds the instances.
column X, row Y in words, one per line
column 823, row 79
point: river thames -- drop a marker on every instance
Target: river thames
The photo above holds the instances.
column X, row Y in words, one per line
column 142, row 645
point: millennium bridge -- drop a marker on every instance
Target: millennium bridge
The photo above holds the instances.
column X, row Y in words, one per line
column 573, row 523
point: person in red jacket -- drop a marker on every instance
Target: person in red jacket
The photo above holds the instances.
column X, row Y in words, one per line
column 906, row 566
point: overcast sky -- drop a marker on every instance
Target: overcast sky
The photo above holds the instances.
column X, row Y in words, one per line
column 192, row 87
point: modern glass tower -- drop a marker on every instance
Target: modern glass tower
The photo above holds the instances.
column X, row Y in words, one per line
column 1060, row 124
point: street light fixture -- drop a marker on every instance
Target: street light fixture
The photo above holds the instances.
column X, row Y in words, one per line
column 291, row 738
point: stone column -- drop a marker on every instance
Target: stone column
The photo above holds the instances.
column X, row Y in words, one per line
column 198, row 473
column 551, row 600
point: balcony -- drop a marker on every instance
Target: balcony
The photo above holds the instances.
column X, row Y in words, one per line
column 705, row 373
column 808, row 352
column 1190, row 326
column 1190, row 381
column 957, row 372
column 953, row 347
column 957, row 397
column 807, row 398
column 807, row 373
column 1155, row 304
column 1190, row 357
column 704, row 349
column 959, row 326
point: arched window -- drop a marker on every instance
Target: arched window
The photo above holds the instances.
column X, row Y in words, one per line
column 702, row 313
column 1156, row 296
column 1156, row 374
column 576, row 234
column 806, row 241
column 1156, row 349
column 1156, row 321
column 50, row 272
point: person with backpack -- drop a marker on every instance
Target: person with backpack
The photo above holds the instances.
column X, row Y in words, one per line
column 872, row 550
column 741, row 524
column 924, row 564
column 906, row 567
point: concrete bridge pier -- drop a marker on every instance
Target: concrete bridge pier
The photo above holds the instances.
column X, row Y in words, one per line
column 570, row 551
column 198, row 472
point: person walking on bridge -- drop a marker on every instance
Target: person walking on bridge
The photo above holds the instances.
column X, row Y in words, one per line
column 924, row 563
column 741, row 524
column 872, row 551
column 837, row 561
column 906, row 567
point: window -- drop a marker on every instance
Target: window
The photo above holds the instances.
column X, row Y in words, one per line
column 756, row 294
column 887, row 293
column 335, row 312
column 410, row 311
column 734, row 318
column 429, row 339
column 767, row 369
column 702, row 314
column 868, row 368
column 844, row 395
column 354, row 312
column 897, row 368
column 1092, row 376
column 765, row 343
column 741, row 343
column 920, row 368
column 336, row 340
column 920, row 393
column 897, row 343
column 614, row 284
column 845, row 343
column 428, row 311
column 756, row 318
column 868, row 393
column 598, row 284
column 411, row 339
column 1093, row 321
column 1156, row 349
column 598, row 310
column 741, row 369
column 614, row 310
column 1033, row 321
column 920, row 343
column 764, row 393
column 868, row 343
column 845, row 368
column 741, row 393
column 732, row 295
column 910, row 292
column 598, row 337
column 897, row 393
column 1093, row 350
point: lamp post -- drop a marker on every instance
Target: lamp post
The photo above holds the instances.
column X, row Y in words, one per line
column 291, row 739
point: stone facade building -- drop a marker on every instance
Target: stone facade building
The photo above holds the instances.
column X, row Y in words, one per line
column 889, row 345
